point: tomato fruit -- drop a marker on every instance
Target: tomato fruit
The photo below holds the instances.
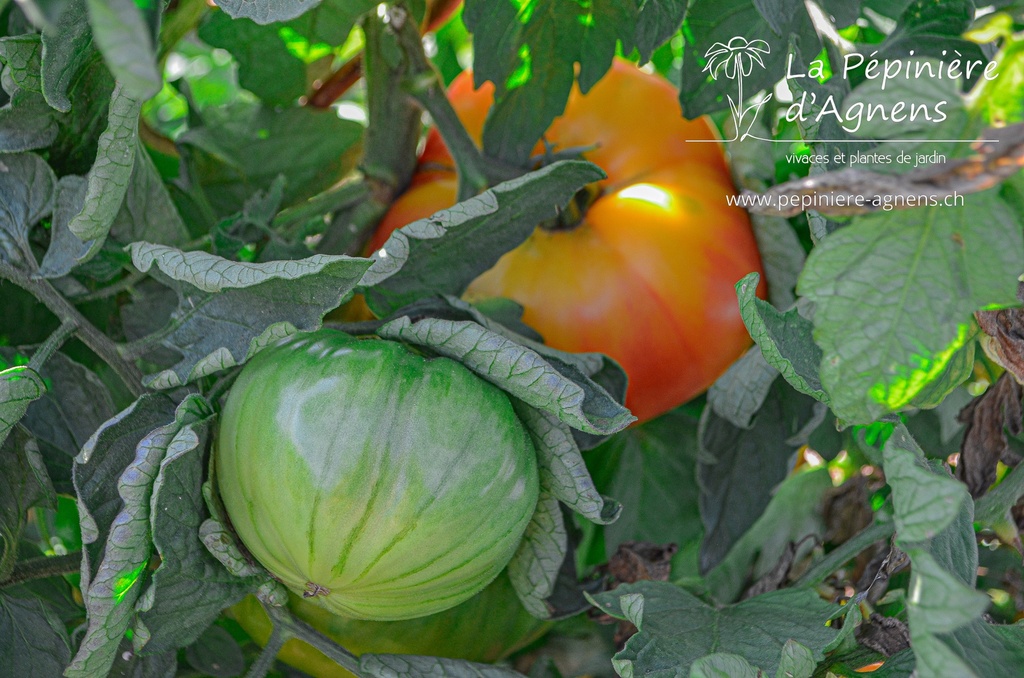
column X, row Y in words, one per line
column 647, row 275
column 489, row 626
column 382, row 484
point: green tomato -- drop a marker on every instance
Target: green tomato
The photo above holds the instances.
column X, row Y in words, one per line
column 489, row 626
column 381, row 484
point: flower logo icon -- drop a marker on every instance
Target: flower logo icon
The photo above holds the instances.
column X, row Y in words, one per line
column 736, row 61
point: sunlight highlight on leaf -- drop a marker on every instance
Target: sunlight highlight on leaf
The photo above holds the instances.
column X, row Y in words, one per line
column 126, row 581
column 300, row 47
column 524, row 72
column 902, row 389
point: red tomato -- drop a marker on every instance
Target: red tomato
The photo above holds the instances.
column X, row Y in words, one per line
column 647, row 275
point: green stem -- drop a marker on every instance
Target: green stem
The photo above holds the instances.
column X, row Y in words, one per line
column 52, row 344
column 98, row 342
column 295, row 628
column 476, row 171
column 133, row 350
column 43, row 567
column 848, row 551
column 125, row 283
column 340, row 197
column 262, row 665
column 179, row 23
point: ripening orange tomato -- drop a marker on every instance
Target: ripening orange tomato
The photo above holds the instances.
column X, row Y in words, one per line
column 646, row 274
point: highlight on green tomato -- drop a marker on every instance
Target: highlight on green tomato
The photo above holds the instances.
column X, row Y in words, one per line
column 486, row 628
column 379, row 483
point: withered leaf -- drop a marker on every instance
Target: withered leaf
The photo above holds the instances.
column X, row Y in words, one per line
column 988, row 419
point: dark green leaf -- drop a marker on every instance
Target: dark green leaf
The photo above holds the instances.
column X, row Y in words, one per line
column 217, row 324
column 930, row 29
column 992, row 510
column 147, row 212
column 124, row 31
column 23, row 484
column 245, row 152
column 731, row 498
column 518, row 370
column 914, row 317
column 658, row 20
column 98, row 473
column 266, row 11
column 65, row 51
column 26, row 195
column 66, row 251
column 738, row 394
column 19, row 386
column 534, row 566
column 784, row 339
column 797, row 661
column 21, row 56
column 723, row 665
column 677, row 628
column 470, row 236
column 190, row 588
column 33, row 640
column 216, row 654
column 407, row 666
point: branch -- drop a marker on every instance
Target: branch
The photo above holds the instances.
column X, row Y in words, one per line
column 849, row 191
column 290, row 627
column 98, row 342
column 43, row 567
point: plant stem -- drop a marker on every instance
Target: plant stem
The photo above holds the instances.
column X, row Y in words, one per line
column 179, row 23
column 260, row 667
column 476, row 171
column 98, row 342
column 125, row 283
column 295, row 628
column 43, row 567
column 52, row 343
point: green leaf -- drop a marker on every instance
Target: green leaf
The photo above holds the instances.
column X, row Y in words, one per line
column 244, row 149
column 66, row 49
column 784, row 339
column 22, row 58
column 716, row 21
column 794, row 513
column 26, row 196
column 797, row 661
column 215, row 326
column 562, row 469
column 925, row 501
column 266, row 11
column 273, row 60
column 535, row 564
column 934, row 30
column 676, row 628
column 651, row 469
column 66, row 251
column 723, row 665
column 516, row 369
column 124, row 31
column 737, row 395
column 658, row 21
column 731, row 499
column 938, row 602
column 112, row 581
column 23, row 484
column 216, row 654
column 147, row 212
column 19, row 386
column 470, row 237
column 532, row 50
column 111, row 172
column 26, row 123
column 33, row 640
column 993, row 509
column 913, row 278
column 409, row 666
column 190, row 588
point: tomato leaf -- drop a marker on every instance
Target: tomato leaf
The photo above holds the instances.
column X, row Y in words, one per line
column 411, row 666
column 190, row 588
column 926, row 502
column 147, row 212
column 26, row 123
column 993, row 510
column 471, row 236
column 676, row 628
column 737, row 395
column 266, row 11
column 27, row 185
column 23, row 484
column 534, row 567
column 916, row 317
column 797, row 661
column 35, row 641
column 112, row 170
column 113, row 476
column 65, row 51
column 243, row 148
column 19, row 386
column 66, row 250
column 784, row 339
column 22, row 56
column 125, row 32
column 216, row 654
column 215, row 327
column 731, row 500
column 518, row 370
column 723, row 665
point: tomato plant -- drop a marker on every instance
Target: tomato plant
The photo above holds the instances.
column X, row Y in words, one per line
column 643, row 265
column 313, row 352
column 379, row 484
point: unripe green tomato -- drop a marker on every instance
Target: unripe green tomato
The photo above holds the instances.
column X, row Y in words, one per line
column 383, row 484
column 489, row 626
